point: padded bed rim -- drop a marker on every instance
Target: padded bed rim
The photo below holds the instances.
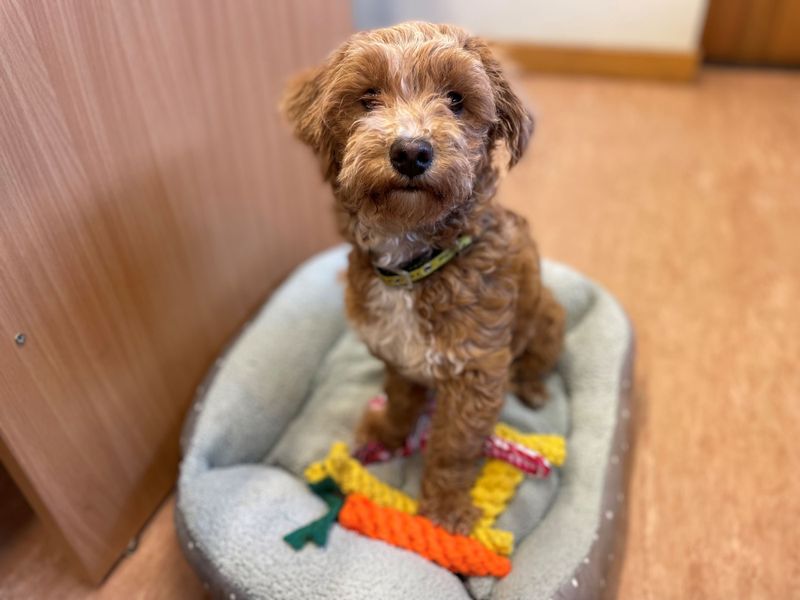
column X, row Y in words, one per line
column 597, row 577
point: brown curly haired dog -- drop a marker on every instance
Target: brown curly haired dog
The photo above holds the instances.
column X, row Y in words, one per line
column 406, row 122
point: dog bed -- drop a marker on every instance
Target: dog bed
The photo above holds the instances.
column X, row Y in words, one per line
column 296, row 379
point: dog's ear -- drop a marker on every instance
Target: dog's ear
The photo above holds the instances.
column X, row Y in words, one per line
column 514, row 121
column 304, row 105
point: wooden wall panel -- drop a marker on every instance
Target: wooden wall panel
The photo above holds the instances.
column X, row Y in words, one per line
column 760, row 32
column 670, row 66
column 783, row 47
column 151, row 197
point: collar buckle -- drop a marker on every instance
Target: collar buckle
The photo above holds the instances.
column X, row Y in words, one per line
column 407, row 281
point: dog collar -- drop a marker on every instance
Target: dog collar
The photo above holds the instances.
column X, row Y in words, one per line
column 401, row 278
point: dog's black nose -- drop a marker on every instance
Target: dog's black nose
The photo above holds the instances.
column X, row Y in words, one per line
column 411, row 157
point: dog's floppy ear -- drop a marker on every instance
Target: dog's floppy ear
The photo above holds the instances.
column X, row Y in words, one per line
column 514, row 121
column 304, row 104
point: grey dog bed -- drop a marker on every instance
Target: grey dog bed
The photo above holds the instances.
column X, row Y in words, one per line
column 296, row 379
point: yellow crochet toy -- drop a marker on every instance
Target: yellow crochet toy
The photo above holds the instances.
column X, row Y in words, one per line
column 377, row 510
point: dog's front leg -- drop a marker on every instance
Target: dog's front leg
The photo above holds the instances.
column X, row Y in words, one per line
column 467, row 408
column 391, row 426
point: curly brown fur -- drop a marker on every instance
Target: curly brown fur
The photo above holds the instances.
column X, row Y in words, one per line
column 482, row 324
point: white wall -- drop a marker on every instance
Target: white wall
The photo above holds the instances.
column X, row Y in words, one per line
column 663, row 25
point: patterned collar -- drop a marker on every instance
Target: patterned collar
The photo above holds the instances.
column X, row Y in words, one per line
column 413, row 273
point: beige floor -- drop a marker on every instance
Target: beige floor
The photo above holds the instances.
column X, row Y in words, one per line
column 684, row 200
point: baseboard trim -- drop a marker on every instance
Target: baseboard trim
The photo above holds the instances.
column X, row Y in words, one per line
column 676, row 66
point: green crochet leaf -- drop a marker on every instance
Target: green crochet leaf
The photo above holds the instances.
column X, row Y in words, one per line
column 317, row 531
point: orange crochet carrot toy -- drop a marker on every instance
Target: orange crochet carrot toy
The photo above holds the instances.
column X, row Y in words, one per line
column 456, row 553
column 362, row 503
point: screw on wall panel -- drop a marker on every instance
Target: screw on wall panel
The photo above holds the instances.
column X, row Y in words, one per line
column 132, row 545
column 20, row 339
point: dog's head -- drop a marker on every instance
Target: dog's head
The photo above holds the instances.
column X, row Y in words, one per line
column 405, row 121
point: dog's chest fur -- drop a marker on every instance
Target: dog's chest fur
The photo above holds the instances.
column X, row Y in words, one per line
column 440, row 326
column 396, row 333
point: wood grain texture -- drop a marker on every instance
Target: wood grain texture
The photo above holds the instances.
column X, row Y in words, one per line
column 753, row 32
column 151, row 197
column 783, row 46
column 32, row 567
column 598, row 61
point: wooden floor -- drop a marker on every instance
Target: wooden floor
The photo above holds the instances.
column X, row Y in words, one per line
column 684, row 200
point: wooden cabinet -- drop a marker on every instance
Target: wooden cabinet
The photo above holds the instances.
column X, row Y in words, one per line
column 760, row 32
column 150, row 197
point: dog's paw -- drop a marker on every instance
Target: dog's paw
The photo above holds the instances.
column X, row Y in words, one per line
column 376, row 427
column 455, row 514
column 532, row 393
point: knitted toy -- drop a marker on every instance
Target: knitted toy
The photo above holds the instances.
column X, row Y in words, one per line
column 364, row 504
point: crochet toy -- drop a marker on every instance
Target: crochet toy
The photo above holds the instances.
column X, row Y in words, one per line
column 364, row 504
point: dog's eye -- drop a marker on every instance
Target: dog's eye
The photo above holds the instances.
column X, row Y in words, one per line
column 370, row 99
column 456, row 102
